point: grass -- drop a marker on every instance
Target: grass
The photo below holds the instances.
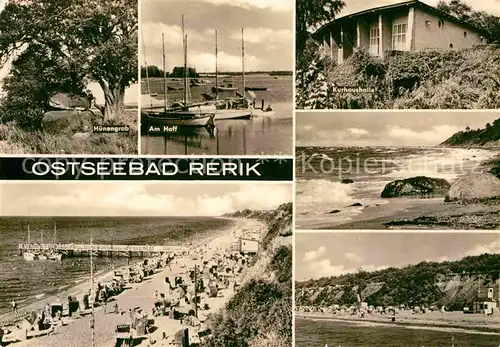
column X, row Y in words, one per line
column 14, row 140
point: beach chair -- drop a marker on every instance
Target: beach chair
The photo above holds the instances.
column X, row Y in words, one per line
column 123, row 336
column 181, row 338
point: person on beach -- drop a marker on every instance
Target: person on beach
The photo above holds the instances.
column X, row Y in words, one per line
column 14, row 306
column 105, row 304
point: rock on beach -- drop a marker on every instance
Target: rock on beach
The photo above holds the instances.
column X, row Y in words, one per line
column 420, row 186
column 474, row 186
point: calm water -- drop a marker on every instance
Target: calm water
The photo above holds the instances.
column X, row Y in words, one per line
column 310, row 333
column 262, row 135
column 28, row 281
column 320, row 170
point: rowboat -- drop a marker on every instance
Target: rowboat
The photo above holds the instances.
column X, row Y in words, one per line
column 182, row 119
column 260, row 112
column 28, row 256
column 256, row 88
column 223, row 89
column 233, row 114
column 54, row 256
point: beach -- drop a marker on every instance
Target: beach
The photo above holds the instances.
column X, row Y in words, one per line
column 76, row 331
column 325, row 202
column 444, row 321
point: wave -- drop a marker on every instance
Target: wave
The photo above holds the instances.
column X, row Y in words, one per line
column 448, row 164
column 320, row 195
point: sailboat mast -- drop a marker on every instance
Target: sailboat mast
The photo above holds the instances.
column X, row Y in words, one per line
column 147, row 70
column 92, row 294
column 186, row 85
column 184, row 38
column 29, row 237
column 164, row 74
column 216, row 68
column 243, row 60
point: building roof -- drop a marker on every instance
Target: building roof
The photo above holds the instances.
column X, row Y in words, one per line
column 396, row 6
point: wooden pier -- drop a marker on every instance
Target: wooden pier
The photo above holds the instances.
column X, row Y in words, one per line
column 81, row 250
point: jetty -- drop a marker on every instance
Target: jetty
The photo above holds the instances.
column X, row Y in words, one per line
column 81, row 250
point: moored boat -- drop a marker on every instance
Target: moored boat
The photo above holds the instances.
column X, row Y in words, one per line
column 256, row 88
column 233, row 114
column 177, row 119
column 264, row 113
column 228, row 88
column 29, row 256
column 54, row 256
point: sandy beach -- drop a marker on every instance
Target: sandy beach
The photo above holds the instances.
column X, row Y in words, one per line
column 441, row 321
column 76, row 331
column 404, row 213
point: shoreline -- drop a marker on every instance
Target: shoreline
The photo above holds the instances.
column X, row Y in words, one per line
column 420, row 214
column 35, row 303
column 421, row 322
column 76, row 333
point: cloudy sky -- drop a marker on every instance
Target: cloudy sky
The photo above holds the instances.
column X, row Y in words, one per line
column 332, row 254
column 353, row 6
column 268, row 26
column 138, row 198
column 399, row 128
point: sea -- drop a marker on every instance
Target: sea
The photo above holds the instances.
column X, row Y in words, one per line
column 319, row 172
column 322, row 333
column 263, row 135
column 27, row 282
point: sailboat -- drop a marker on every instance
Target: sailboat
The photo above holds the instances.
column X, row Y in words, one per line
column 42, row 256
column 28, row 255
column 53, row 255
column 183, row 114
column 232, row 108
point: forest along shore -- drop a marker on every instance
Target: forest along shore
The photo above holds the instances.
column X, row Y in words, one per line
column 165, row 308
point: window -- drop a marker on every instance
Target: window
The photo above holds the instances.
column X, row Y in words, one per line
column 399, row 37
column 374, row 41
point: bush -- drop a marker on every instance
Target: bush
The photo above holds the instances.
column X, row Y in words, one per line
column 260, row 312
column 466, row 79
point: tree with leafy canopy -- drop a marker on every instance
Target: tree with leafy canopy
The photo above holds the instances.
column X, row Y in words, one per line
column 310, row 14
column 87, row 40
column 489, row 23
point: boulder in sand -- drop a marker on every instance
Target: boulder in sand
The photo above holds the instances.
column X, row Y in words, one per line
column 66, row 101
column 420, row 186
column 474, row 186
column 70, row 121
column 347, row 181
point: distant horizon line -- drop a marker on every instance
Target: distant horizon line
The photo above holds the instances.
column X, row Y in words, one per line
column 231, row 72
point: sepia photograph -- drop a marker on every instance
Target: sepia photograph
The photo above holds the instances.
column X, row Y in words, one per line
column 68, row 77
column 145, row 264
column 397, row 170
column 397, row 54
column 397, row 289
column 216, row 77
